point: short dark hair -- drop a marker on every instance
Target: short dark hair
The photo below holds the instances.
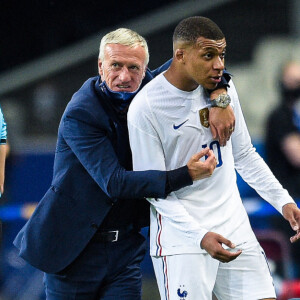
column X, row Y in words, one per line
column 190, row 29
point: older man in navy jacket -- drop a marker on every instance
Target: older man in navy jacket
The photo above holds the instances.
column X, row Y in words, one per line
column 85, row 232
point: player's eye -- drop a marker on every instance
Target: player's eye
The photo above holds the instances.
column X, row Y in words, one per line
column 208, row 55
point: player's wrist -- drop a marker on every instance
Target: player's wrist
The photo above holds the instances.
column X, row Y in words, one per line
column 221, row 101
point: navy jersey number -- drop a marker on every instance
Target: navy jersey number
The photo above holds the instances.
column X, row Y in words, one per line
column 215, row 147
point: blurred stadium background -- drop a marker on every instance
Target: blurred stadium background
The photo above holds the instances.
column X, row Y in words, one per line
column 49, row 48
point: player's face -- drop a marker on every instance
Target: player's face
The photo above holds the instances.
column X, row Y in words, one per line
column 204, row 63
column 123, row 67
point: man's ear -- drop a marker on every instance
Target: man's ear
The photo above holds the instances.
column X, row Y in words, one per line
column 100, row 67
column 180, row 55
column 145, row 69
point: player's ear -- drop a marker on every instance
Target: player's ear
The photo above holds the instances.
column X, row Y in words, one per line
column 179, row 55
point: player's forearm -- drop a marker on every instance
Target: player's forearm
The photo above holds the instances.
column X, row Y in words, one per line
column 252, row 167
column 178, row 217
column 257, row 174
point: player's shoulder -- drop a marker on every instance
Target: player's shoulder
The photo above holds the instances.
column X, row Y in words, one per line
column 153, row 85
column 147, row 94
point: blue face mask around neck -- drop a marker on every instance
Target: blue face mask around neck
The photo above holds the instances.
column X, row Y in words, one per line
column 124, row 96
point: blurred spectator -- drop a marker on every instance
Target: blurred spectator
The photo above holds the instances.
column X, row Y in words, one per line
column 283, row 145
column 283, row 131
column 44, row 116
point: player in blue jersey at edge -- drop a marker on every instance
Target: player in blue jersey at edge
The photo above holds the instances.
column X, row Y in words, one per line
column 3, row 153
column 85, row 232
column 3, row 150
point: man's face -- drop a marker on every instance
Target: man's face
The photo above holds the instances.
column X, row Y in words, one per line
column 204, row 63
column 123, row 67
column 291, row 76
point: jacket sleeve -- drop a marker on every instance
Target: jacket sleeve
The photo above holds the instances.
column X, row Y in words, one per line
column 93, row 148
column 162, row 68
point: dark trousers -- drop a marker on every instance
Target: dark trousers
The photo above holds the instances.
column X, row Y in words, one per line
column 103, row 271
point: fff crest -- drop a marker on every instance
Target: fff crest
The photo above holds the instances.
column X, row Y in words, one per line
column 204, row 116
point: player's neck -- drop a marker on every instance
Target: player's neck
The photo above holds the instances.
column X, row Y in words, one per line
column 176, row 76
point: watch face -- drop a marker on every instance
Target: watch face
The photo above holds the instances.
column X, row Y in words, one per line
column 221, row 101
column 224, row 100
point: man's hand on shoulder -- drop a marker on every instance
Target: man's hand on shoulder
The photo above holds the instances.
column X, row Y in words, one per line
column 221, row 120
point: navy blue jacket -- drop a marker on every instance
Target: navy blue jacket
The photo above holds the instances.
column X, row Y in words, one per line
column 88, row 179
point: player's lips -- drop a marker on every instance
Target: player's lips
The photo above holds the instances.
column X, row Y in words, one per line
column 216, row 79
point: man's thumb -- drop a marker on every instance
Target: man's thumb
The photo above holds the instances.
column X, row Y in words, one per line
column 294, row 224
column 200, row 154
column 228, row 243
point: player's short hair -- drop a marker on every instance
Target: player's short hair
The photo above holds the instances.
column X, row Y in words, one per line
column 190, row 29
column 123, row 36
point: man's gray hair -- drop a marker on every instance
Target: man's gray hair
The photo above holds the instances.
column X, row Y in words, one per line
column 123, row 36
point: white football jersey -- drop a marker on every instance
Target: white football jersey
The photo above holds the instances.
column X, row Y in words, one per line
column 166, row 127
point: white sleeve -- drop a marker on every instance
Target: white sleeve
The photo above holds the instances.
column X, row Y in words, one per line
column 251, row 166
column 147, row 154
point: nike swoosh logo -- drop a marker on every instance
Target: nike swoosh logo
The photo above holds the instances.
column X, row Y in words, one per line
column 178, row 126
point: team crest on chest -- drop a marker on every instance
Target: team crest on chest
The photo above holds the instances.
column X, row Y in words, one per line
column 204, row 114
